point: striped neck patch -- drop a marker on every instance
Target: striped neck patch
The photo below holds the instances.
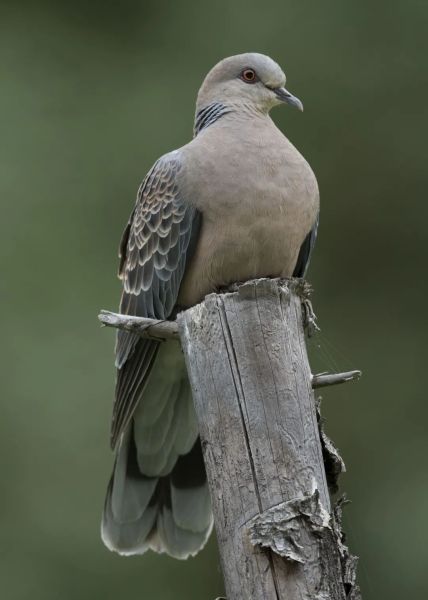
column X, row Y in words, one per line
column 209, row 115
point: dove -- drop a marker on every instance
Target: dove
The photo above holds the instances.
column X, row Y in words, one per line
column 237, row 202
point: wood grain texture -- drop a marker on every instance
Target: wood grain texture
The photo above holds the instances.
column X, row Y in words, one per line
column 246, row 358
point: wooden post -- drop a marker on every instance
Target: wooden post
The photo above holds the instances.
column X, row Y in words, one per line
column 268, row 461
column 278, row 537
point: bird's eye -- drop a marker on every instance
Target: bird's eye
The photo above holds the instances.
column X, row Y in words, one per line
column 249, row 76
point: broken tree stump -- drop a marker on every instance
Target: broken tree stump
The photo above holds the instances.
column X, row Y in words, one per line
column 269, row 463
column 278, row 535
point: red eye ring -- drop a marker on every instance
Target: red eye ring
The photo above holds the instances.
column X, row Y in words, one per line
column 249, row 76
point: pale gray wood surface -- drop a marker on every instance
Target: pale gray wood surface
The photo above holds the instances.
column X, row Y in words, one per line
column 162, row 330
column 246, row 357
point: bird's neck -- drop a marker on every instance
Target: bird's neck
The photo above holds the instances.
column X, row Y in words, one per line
column 208, row 115
column 213, row 112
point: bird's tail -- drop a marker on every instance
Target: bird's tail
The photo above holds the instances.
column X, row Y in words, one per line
column 158, row 496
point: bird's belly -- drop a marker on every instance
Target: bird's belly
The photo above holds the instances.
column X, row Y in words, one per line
column 247, row 246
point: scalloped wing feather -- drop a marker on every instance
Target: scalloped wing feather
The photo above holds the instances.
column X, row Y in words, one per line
column 153, row 255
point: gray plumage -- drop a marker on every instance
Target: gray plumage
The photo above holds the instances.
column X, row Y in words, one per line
column 237, row 202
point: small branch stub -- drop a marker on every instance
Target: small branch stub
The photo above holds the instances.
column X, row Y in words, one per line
column 149, row 328
column 324, row 379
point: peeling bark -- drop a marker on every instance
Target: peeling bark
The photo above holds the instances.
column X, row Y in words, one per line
column 278, row 528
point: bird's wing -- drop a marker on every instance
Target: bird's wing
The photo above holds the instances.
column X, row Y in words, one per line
column 305, row 251
column 154, row 250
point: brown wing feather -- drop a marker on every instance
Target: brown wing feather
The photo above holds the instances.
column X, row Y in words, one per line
column 154, row 249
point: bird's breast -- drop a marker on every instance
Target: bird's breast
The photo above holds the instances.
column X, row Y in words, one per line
column 258, row 203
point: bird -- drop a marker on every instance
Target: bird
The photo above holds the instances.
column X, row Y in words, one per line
column 237, row 202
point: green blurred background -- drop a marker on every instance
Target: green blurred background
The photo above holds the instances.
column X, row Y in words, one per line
column 91, row 94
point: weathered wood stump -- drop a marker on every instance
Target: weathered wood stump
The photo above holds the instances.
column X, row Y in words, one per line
column 252, row 386
column 268, row 461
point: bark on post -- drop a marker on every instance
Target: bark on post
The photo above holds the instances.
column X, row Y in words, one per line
column 278, row 536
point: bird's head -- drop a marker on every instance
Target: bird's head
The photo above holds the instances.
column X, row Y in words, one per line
column 247, row 79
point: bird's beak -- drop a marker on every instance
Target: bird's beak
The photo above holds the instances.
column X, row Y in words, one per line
column 285, row 96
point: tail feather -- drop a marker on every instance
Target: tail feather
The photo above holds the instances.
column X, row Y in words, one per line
column 159, row 445
column 152, row 436
column 190, row 498
column 130, row 490
column 127, row 537
column 186, row 430
column 158, row 495
column 129, row 516
column 143, row 512
column 178, row 542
